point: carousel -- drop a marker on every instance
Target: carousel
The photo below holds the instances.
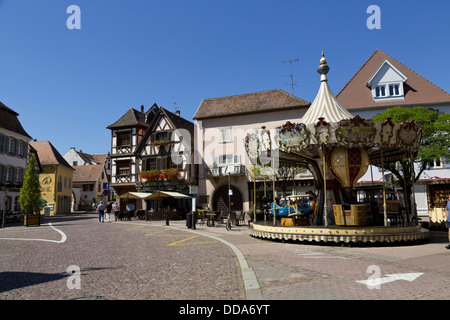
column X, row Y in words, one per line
column 337, row 148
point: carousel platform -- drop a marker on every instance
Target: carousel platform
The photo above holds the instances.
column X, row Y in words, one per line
column 337, row 234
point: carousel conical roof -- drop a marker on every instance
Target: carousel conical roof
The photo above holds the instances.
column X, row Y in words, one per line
column 325, row 104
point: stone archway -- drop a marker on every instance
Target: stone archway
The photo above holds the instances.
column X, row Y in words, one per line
column 220, row 199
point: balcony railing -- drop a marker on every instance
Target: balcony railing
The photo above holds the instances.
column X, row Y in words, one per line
column 234, row 170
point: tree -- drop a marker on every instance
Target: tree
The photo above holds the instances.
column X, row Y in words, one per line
column 435, row 142
column 285, row 175
column 30, row 194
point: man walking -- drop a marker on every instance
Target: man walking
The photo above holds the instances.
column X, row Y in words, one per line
column 101, row 211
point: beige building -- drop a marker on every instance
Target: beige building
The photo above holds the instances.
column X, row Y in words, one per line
column 221, row 126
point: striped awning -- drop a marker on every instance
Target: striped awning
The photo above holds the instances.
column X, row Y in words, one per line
column 325, row 106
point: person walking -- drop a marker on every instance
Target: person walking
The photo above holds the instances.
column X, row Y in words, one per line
column 101, row 211
column 447, row 221
column 116, row 211
column 108, row 212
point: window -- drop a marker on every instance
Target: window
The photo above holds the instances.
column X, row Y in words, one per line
column 75, row 163
column 436, row 164
column 162, row 136
column 12, row 145
column 225, row 134
column 123, row 169
column 21, row 148
column 124, row 138
column 388, row 91
column 60, row 184
column 8, row 174
column 20, row 175
column 394, row 89
column 88, row 187
column 149, row 164
column 229, row 159
column 380, row 91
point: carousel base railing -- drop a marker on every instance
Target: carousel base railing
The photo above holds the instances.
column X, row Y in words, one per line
column 337, row 234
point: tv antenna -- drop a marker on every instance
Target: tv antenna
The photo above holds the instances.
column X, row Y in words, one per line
column 175, row 107
column 290, row 61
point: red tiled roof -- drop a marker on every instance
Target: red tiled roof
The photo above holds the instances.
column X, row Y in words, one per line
column 89, row 173
column 9, row 121
column 262, row 101
column 48, row 155
column 418, row 90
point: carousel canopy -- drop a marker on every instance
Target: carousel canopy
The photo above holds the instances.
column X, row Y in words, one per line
column 328, row 124
column 325, row 104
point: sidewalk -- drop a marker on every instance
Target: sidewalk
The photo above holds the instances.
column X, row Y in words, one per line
column 276, row 270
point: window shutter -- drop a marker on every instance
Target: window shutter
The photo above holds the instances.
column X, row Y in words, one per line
column 1, row 173
column 16, row 147
column 6, row 144
column 2, row 143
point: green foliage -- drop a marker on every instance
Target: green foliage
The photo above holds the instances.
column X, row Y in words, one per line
column 30, row 194
column 436, row 138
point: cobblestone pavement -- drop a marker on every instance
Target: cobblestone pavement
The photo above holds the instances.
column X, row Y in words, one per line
column 148, row 260
column 122, row 260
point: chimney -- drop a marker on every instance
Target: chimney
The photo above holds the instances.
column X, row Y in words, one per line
column 178, row 112
column 142, row 108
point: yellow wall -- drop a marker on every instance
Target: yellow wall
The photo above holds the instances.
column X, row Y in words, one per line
column 58, row 199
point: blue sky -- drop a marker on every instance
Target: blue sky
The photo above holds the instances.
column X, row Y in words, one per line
column 68, row 85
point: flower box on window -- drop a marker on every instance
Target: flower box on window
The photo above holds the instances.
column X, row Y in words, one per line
column 158, row 143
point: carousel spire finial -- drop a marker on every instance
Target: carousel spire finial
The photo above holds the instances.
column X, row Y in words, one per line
column 323, row 68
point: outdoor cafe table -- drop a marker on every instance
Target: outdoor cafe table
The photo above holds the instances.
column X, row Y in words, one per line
column 210, row 221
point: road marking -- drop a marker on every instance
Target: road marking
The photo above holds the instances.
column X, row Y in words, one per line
column 63, row 237
column 151, row 234
column 316, row 255
column 251, row 284
column 176, row 243
column 391, row 278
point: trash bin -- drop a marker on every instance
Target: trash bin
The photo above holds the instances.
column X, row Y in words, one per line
column 189, row 220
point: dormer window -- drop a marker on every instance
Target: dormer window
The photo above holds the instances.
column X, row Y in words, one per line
column 387, row 83
column 394, row 89
column 380, row 91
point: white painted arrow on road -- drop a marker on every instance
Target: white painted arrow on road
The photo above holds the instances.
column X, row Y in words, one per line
column 372, row 282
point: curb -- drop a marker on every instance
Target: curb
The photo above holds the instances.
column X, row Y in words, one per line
column 251, row 284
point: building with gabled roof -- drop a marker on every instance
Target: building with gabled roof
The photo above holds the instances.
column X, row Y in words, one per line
column 90, row 180
column 13, row 158
column 221, row 126
column 126, row 134
column 55, row 178
column 383, row 82
column 249, row 103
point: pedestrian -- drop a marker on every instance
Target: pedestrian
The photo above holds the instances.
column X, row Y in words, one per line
column 116, row 211
column 108, row 212
column 101, row 211
column 447, row 221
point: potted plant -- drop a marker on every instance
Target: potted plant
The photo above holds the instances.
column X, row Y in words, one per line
column 170, row 173
column 30, row 194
